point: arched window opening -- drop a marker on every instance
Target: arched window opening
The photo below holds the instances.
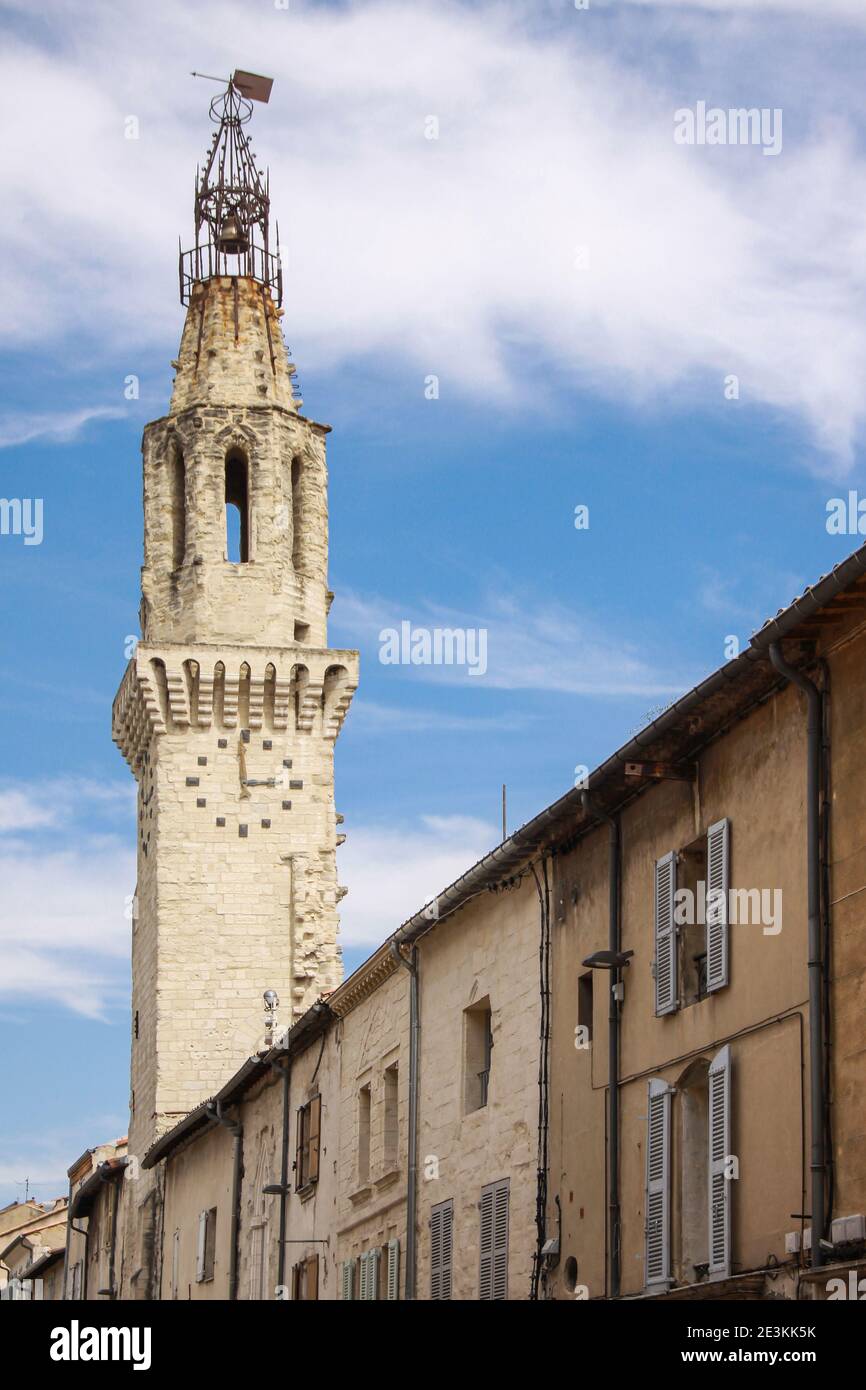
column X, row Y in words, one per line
column 297, row 513
column 177, row 486
column 237, row 509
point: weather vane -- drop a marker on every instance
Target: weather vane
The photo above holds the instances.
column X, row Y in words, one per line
column 232, row 203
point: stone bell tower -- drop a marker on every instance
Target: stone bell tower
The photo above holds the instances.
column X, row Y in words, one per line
column 229, row 710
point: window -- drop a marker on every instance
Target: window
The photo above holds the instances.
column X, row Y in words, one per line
column 391, row 1135
column 347, row 1280
column 298, row 519
column 584, row 1008
column 441, row 1241
column 691, row 921
column 175, row 1263
column 392, row 1279
column 478, row 1048
column 368, row 1278
column 305, row 1279
column 703, row 1098
column 206, row 1253
column 308, row 1135
column 364, row 1105
column 493, row 1241
column 177, row 503
column 237, row 509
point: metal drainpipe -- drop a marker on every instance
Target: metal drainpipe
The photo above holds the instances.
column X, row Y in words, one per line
column 284, row 1171
column 236, row 1130
column 816, row 1016
column 613, row 1027
column 414, row 1062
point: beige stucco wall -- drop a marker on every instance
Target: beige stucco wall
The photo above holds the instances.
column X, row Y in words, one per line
column 198, row 1176
column 754, row 776
column 489, row 948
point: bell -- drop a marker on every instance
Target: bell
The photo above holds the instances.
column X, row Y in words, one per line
column 233, row 240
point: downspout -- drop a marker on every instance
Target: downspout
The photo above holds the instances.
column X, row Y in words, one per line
column 116, row 1195
column 78, row 1231
column 414, row 1063
column 236, row 1130
column 284, row 1173
column 816, row 1015
column 613, row 1031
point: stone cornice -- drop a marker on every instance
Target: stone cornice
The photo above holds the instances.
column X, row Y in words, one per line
column 172, row 687
column 363, row 982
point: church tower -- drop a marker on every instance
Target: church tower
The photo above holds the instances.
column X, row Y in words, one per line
column 231, row 705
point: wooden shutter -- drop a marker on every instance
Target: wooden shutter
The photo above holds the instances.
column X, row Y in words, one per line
column 493, row 1243
column 718, row 876
column 311, row 1283
column 720, row 1148
column 665, row 935
column 315, row 1124
column 347, row 1280
column 299, row 1149
column 201, row 1247
column 441, row 1233
column 393, row 1277
column 658, row 1185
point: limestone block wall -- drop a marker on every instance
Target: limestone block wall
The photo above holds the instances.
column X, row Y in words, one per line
column 237, row 856
column 373, row 1036
column 191, row 591
column 197, row 1177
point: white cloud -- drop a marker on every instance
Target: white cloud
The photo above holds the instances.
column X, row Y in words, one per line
column 393, row 870
column 20, row 428
column 454, row 256
column 531, row 645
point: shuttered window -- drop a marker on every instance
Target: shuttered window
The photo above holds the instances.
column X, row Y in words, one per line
column 658, row 1185
column 718, row 875
column 665, row 935
column 200, row 1247
column 175, row 1263
column 441, row 1239
column 493, row 1242
column 393, row 1276
column 368, row 1283
column 309, row 1123
column 720, row 1148
column 347, row 1280
column 305, row 1279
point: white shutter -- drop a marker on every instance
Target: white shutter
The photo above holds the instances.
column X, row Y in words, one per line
column 441, row 1229
column 718, row 860
column 175, row 1263
column 658, row 1185
column 665, row 935
column 201, row 1246
column 393, row 1279
column 720, row 1148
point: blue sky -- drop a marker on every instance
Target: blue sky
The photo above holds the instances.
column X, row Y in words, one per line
column 581, row 286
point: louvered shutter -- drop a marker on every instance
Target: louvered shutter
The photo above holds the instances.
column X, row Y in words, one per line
column 347, row 1281
column 720, row 1148
column 373, row 1275
column 441, row 1228
column 666, row 935
column 493, row 1241
column 299, row 1150
column 363, row 1279
column 393, row 1289
column 658, row 1185
column 312, row 1174
column 201, row 1247
column 312, row 1278
column 718, row 860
